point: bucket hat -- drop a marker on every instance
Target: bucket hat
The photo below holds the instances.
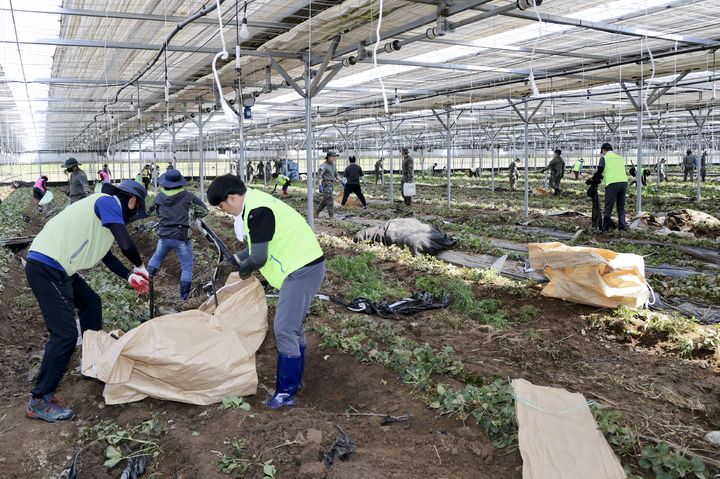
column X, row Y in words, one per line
column 172, row 178
column 70, row 162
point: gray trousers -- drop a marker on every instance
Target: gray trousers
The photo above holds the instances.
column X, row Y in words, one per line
column 296, row 294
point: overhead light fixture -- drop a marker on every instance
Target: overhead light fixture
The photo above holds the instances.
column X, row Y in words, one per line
column 244, row 33
column 247, row 113
column 397, row 98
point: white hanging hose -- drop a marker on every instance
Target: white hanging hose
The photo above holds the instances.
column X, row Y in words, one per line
column 375, row 48
column 229, row 114
column 531, row 77
column 652, row 77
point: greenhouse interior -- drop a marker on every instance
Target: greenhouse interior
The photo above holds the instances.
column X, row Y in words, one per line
column 411, row 238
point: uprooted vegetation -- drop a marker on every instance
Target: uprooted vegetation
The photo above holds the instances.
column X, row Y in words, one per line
column 672, row 332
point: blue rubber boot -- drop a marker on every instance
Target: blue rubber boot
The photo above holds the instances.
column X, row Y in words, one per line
column 288, row 379
column 185, row 287
column 302, row 364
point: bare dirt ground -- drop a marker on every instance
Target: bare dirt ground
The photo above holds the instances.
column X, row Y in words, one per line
column 662, row 395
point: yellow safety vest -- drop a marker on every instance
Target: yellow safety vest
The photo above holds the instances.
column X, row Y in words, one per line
column 293, row 245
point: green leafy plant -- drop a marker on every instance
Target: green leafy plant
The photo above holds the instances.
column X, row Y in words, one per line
column 121, row 438
column 235, row 402
column 668, row 464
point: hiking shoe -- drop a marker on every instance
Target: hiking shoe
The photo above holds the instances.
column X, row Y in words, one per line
column 48, row 408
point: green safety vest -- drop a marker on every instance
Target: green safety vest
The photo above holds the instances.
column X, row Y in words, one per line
column 614, row 171
column 292, row 246
column 282, row 179
column 75, row 238
column 576, row 166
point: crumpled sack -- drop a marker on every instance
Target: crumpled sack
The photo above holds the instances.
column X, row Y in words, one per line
column 417, row 302
column 198, row 356
column 687, row 219
column 419, row 237
column 352, row 200
column 593, row 276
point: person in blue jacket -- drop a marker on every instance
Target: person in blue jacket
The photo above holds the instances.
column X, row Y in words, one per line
column 77, row 239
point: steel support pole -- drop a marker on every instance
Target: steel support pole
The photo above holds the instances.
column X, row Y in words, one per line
column 698, row 163
column 309, row 147
column 449, row 153
column 492, row 168
column 392, row 153
column 638, row 168
column 201, row 148
column 527, row 161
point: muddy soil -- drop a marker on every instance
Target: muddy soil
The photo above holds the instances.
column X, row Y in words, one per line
column 662, row 395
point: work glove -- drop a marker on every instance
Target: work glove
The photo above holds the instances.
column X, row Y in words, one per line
column 140, row 279
column 141, row 271
column 139, row 282
column 320, row 188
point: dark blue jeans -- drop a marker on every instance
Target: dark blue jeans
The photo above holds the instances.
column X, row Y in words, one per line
column 59, row 295
column 184, row 252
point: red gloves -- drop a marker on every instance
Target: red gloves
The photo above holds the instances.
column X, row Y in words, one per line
column 140, row 280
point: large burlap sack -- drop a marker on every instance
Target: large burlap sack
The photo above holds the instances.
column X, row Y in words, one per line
column 593, row 276
column 197, row 356
column 558, row 437
column 351, row 202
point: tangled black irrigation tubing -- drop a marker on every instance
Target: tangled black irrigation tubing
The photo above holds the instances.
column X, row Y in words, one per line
column 155, row 59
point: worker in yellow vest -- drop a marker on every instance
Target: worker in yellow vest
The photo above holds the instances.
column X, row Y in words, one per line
column 282, row 246
column 611, row 168
column 577, row 168
column 77, row 239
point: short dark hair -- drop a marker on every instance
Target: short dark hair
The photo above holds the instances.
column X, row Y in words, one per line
column 351, row 159
column 558, row 151
column 606, row 147
column 223, row 186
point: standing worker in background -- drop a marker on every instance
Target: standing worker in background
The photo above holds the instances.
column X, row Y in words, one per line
column 353, row 173
column 688, row 165
column 325, row 181
column 146, row 174
column 77, row 239
column 379, row 173
column 39, row 188
column 79, row 188
column 173, row 206
column 662, row 170
column 557, row 171
column 513, row 173
column 282, row 246
column 408, row 174
column 577, row 168
column 611, row 169
column 703, row 161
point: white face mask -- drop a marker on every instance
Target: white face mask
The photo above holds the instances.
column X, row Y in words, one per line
column 240, row 224
column 240, row 228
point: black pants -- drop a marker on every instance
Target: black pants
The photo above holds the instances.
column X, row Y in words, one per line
column 353, row 189
column 146, row 182
column 615, row 193
column 59, row 295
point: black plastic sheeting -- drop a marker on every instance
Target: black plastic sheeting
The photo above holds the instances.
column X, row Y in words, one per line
column 342, row 447
column 417, row 302
column 420, row 238
column 135, row 468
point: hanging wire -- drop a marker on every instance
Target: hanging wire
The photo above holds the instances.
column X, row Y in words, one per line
column 375, row 48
